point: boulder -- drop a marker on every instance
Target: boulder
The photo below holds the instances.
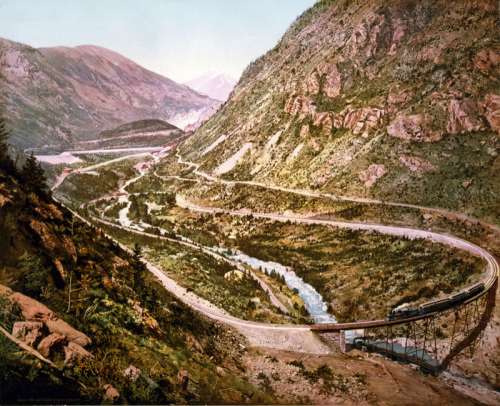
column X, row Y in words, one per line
column 372, row 174
column 27, row 331
column 463, row 116
column 132, row 373
column 111, row 394
column 467, row 183
column 183, row 379
column 31, row 309
column 74, row 353
column 415, row 164
column 59, row 326
column 491, row 106
column 45, row 346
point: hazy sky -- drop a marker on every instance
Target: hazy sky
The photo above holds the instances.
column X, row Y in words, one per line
column 180, row 39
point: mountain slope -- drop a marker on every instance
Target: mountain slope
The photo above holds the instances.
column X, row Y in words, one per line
column 397, row 100
column 57, row 95
column 215, row 85
column 109, row 330
column 141, row 133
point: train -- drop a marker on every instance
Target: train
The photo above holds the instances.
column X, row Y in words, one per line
column 405, row 310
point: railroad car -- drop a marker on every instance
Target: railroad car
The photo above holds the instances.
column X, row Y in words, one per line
column 405, row 310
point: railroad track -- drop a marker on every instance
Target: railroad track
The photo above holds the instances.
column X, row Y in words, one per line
column 253, row 329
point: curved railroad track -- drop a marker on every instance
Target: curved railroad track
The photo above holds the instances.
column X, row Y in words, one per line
column 301, row 337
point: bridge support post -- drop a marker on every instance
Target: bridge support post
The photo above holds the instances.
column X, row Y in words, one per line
column 342, row 342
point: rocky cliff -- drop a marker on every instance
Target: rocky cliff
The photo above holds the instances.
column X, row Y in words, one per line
column 58, row 95
column 397, row 100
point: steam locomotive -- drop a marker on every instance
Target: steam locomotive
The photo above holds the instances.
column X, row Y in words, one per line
column 405, row 310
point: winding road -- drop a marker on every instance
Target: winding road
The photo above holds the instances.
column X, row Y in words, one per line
column 354, row 199
column 295, row 337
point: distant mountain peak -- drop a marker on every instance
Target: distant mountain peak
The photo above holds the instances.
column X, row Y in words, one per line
column 214, row 84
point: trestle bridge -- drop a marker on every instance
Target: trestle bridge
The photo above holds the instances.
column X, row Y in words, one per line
column 431, row 340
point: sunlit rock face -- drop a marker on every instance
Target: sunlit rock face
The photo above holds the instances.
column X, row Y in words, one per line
column 58, row 95
column 355, row 84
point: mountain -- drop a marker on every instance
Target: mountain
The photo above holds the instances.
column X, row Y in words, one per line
column 59, row 95
column 396, row 100
column 215, row 85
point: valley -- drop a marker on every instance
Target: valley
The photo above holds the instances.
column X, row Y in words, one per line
column 324, row 230
column 182, row 238
column 167, row 212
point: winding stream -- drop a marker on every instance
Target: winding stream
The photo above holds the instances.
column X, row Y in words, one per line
column 313, row 301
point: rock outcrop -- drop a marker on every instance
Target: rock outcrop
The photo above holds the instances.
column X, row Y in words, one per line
column 463, row 116
column 27, row 331
column 487, row 61
column 491, row 106
column 416, row 164
column 361, row 121
column 370, row 176
column 37, row 318
column 414, row 127
column 333, row 81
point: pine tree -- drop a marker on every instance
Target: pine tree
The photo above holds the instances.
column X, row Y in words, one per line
column 33, row 175
column 5, row 160
column 139, row 269
column 137, row 250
